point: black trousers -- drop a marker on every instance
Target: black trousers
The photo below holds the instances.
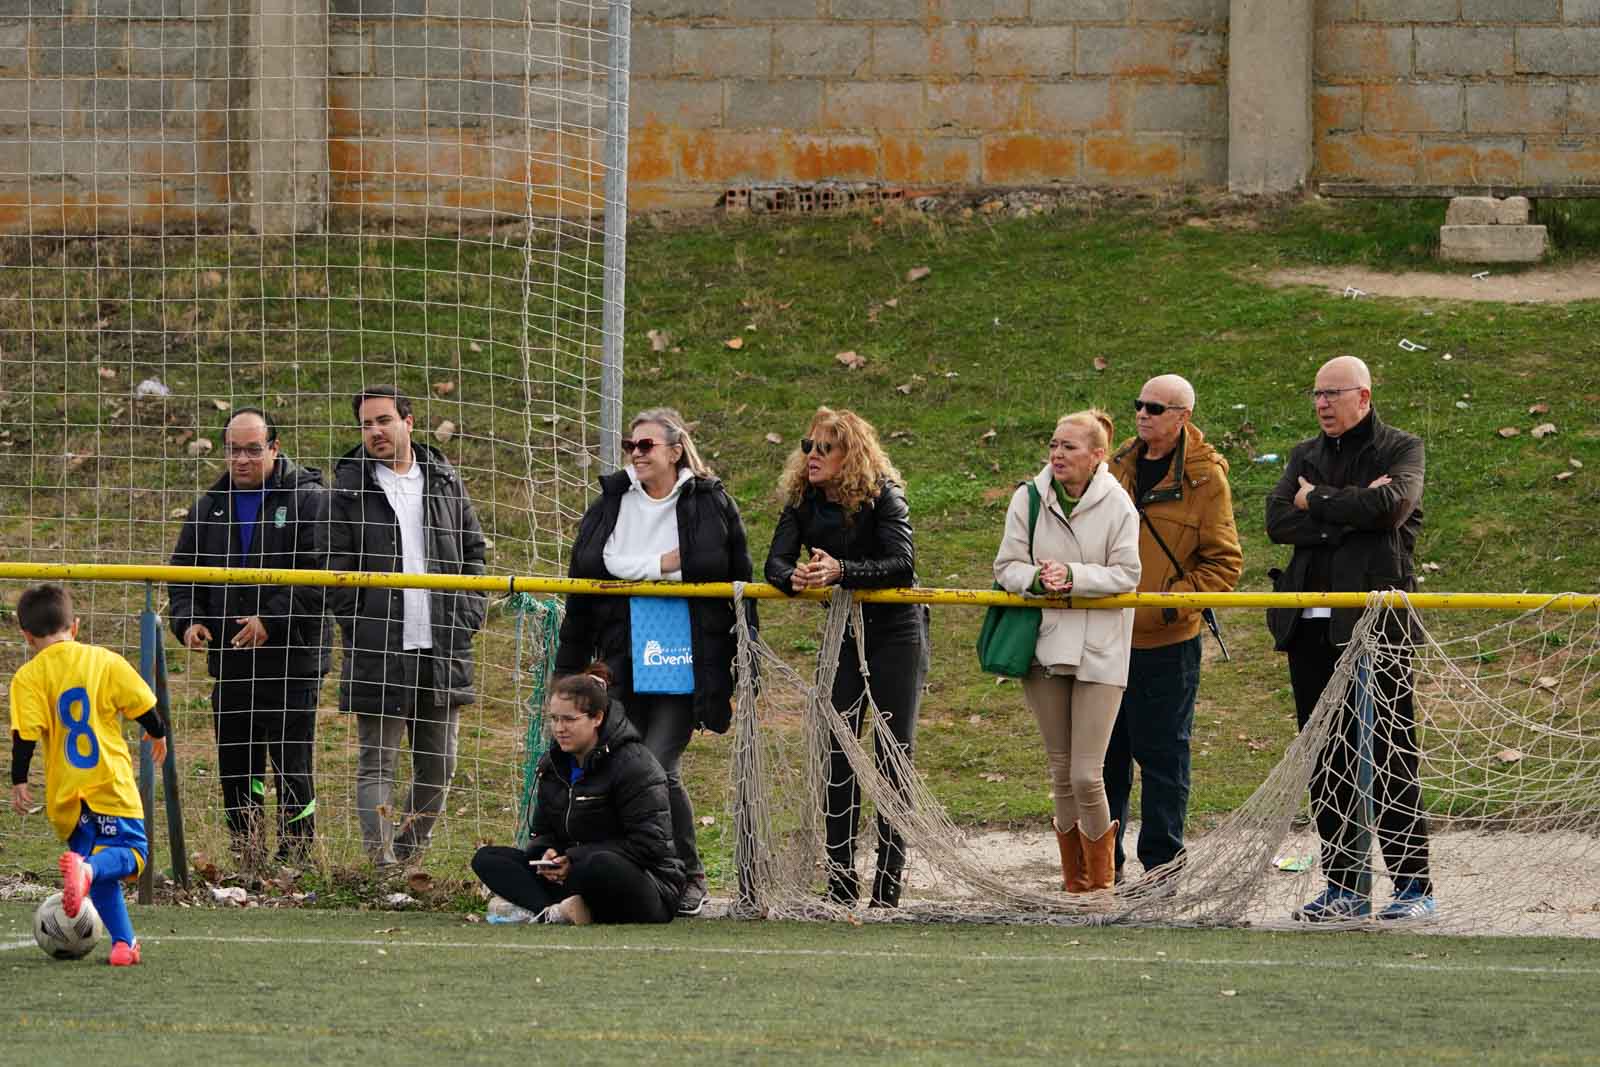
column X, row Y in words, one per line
column 616, row 889
column 1336, row 789
column 259, row 724
column 897, row 659
column 666, row 723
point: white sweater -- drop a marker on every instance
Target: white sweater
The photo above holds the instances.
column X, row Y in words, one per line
column 1100, row 542
column 646, row 530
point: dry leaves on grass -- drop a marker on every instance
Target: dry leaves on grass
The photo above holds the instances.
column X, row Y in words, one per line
column 444, row 431
column 774, row 438
column 1509, row 431
column 1101, row 363
column 1543, row 430
column 108, row 373
column 221, row 405
column 916, row 274
column 200, row 446
column 659, row 340
column 443, row 389
column 851, row 359
column 1508, row 755
column 1539, row 409
column 734, row 343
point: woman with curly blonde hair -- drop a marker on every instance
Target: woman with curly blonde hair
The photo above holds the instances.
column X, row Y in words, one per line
column 843, row 500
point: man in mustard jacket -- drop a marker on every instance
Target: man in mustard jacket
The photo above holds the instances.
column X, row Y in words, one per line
column 1187, row 544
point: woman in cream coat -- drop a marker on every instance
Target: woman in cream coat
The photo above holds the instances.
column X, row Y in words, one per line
column 1086, row 543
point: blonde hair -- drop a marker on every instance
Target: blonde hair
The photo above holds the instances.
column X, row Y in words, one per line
column 1096, row 423
column 677, row 434
column 866, row 467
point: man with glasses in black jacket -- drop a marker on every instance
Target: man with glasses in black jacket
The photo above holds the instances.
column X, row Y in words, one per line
column 267, row 646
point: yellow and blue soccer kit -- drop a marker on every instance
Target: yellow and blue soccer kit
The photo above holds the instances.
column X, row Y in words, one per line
column 73, row 699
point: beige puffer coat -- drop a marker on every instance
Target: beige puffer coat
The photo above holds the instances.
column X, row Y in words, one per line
column 1100, row 542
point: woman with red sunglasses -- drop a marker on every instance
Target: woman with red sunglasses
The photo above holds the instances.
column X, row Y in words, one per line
column 664, row 516
column 843, row 500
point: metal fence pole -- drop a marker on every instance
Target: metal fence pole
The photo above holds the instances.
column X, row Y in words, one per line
column 616, row 236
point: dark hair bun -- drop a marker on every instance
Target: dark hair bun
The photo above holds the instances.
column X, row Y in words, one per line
column 599, row 672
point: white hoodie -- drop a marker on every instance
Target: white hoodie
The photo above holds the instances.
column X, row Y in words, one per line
column 646, row 530
column 1100, row 542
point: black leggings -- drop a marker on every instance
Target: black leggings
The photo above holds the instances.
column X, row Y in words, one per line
column 616, row 889
column 898, row 662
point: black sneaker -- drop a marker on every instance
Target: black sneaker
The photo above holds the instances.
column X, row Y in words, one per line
column 693, row 901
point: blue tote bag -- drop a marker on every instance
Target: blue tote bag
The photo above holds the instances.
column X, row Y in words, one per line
column 663, row 648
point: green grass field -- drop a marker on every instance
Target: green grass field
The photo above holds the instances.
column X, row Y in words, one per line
column 330, row 987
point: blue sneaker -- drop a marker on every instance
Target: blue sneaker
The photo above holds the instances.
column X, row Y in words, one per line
column 1334, row 905
column 1409, row 905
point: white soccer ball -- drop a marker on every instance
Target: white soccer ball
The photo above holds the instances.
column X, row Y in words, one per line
column 63, row 938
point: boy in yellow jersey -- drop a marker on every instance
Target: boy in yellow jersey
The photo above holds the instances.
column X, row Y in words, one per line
column 74, row 699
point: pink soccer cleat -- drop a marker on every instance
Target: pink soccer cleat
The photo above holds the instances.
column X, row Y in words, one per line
column 76, row 877
column 124, row 954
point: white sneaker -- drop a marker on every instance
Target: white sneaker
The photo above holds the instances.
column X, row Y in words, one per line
column 574, row 911
column 503, row 912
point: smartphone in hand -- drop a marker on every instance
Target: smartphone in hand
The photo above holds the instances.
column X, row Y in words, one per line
column 544, row 864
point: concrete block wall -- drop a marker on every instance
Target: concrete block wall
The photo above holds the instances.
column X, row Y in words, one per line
column 112, row 121
column 925, row 93
column 461, row 110
column 1458, row 92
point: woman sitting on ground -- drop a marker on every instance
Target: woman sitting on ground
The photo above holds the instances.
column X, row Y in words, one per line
column 602, row 826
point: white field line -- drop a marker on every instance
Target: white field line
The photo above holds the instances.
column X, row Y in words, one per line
column 1151, row 961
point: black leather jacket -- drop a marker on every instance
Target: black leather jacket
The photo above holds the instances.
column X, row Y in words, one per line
column 874, row 544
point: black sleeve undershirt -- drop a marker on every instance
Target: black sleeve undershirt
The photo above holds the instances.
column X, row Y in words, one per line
column 22, row 751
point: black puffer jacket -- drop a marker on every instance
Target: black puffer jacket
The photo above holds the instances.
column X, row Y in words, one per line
column 619, row 804
column 711, row 541
column 874, row 544
column 1352, row 538
column 364, row 536
column 291, row 534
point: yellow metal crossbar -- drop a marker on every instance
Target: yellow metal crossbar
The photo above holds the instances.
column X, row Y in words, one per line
column 121, row 572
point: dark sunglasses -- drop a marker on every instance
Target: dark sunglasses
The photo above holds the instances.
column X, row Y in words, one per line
column 642, row 446
column 1153, row 408
column 822, row 447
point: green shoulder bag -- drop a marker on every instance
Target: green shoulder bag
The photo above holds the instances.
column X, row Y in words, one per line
column 1008, row 637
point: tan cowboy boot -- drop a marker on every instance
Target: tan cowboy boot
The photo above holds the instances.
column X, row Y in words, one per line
column 1074, row 876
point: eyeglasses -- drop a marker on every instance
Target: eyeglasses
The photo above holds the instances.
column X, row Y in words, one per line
column 642, row 446
column 248, row 451
column 1330, row 395
column 1155, row 409
column 565, row 720
column 822, row 447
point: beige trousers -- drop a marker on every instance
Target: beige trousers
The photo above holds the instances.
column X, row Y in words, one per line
column 1075, row 719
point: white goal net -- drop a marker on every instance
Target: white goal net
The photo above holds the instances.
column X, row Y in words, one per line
column 207, row 205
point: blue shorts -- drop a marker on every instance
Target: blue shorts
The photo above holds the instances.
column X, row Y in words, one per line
column 96, row 832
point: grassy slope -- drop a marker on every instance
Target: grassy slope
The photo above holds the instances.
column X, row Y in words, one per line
column 1004, row 335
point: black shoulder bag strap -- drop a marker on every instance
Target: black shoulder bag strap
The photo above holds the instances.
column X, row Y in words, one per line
column 1205, row 613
